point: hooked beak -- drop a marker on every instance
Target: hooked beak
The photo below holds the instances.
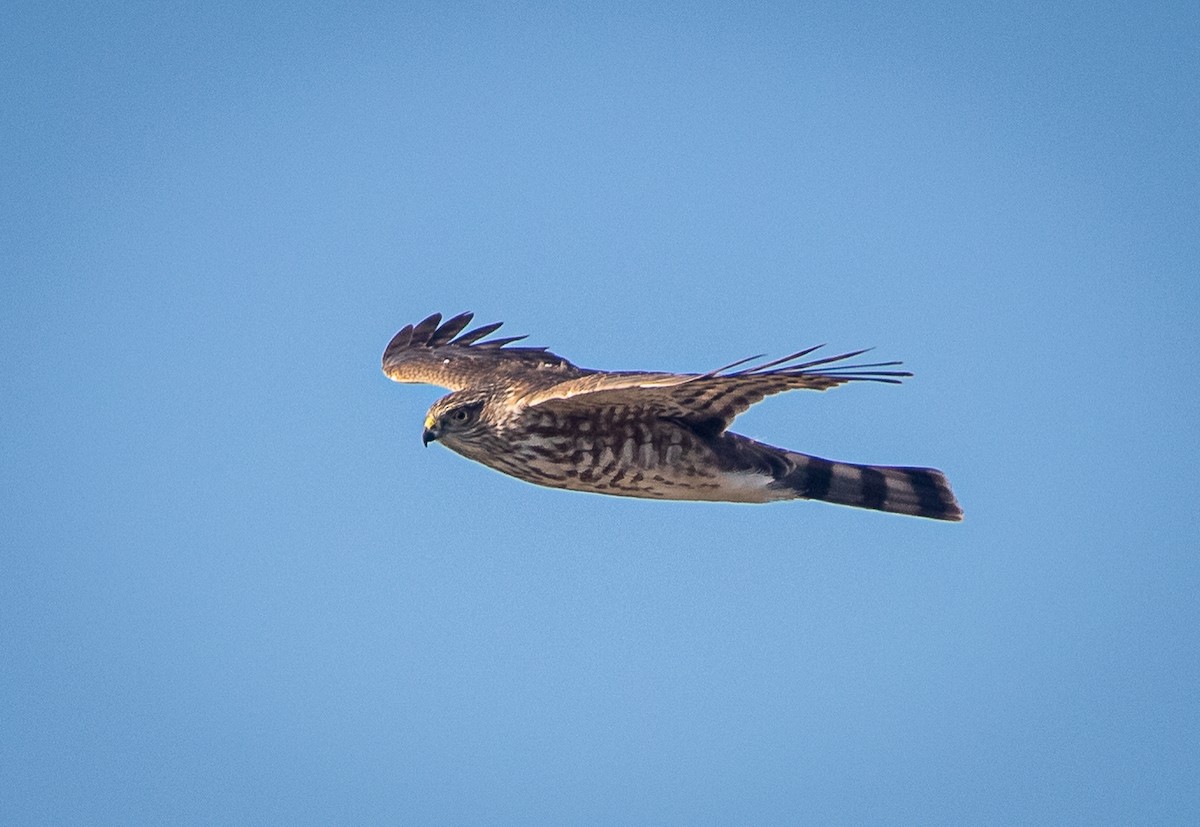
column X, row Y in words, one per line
column 431, row 432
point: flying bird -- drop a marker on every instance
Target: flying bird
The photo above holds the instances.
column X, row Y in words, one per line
column 530, row 413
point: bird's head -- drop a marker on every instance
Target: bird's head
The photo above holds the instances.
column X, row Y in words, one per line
column 457, row 420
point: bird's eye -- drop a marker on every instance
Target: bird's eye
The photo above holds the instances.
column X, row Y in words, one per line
column 460, row 415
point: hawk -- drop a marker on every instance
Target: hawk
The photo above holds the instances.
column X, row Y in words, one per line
column 530, row 413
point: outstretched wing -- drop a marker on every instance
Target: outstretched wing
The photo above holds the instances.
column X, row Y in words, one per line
column 711, row 401
column 438, row 353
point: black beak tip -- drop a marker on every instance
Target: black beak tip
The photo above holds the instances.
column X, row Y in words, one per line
column 427, row 437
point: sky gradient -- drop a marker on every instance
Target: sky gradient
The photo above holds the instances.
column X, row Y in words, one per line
column 236, row 588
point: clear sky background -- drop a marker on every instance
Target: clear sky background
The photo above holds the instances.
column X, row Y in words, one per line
column 236, row 588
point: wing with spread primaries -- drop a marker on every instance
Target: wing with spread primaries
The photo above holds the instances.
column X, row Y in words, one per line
column 710, row 401
column 433, row 352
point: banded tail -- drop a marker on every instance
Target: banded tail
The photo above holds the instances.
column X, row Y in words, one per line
column 920, row 492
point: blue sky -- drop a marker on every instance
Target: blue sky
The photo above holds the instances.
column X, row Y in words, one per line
column 236, row 588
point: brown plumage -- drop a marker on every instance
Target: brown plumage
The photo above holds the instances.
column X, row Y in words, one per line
column 532, row 414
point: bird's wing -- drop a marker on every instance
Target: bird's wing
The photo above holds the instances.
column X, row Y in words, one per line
column 709, row 401
column 433, row 352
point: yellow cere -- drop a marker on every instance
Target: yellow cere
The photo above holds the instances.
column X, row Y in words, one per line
column 430, row 421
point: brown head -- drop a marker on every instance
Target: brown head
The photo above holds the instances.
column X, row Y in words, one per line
column 460, row 419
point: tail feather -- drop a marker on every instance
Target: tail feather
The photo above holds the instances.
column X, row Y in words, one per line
column 921, row 492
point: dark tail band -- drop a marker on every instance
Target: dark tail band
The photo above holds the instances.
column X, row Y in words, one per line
column 921, row 492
